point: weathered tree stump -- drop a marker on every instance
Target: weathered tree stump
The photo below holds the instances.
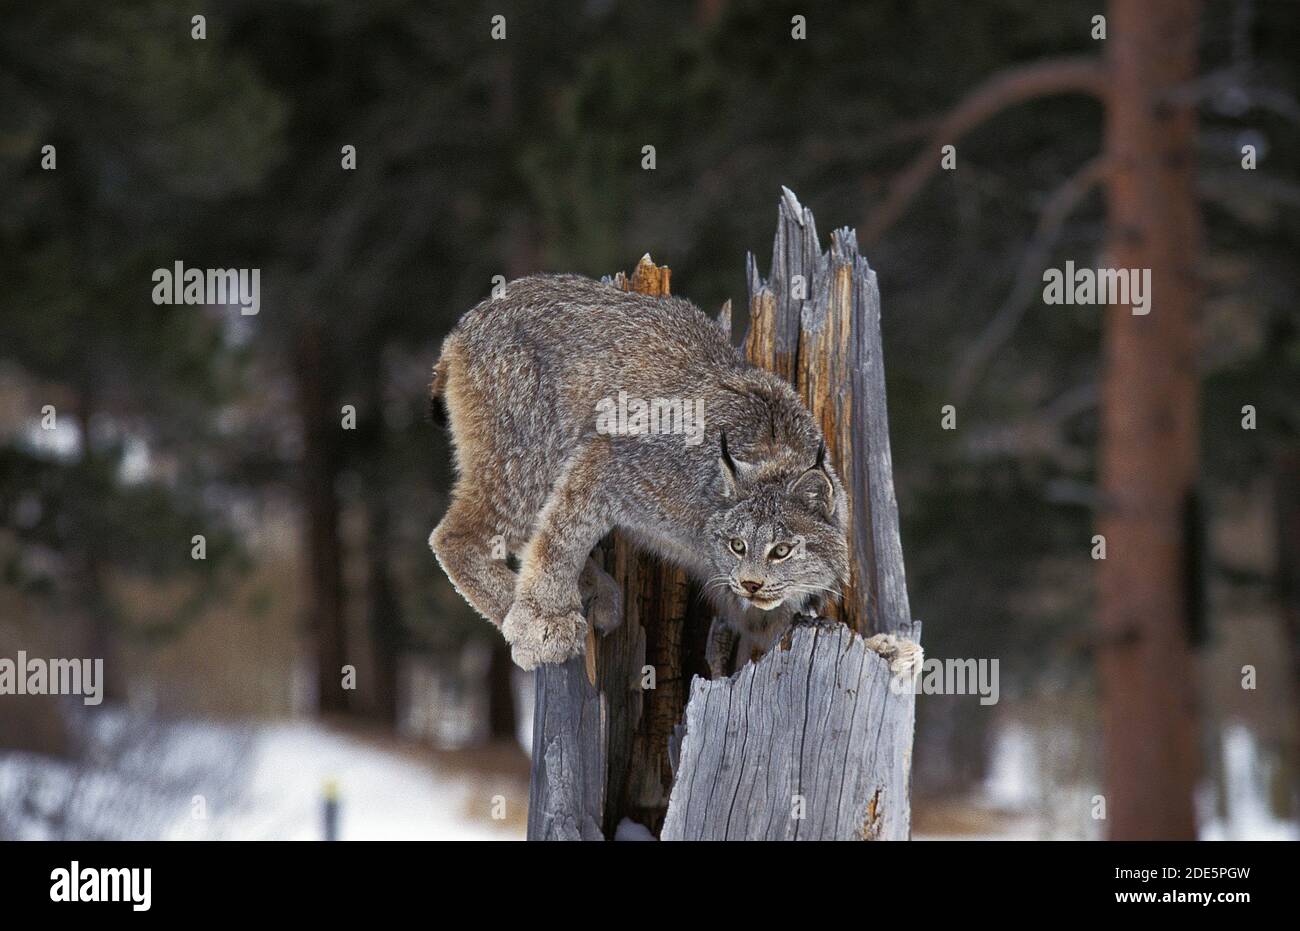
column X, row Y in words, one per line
column 816, row 323
column 810, row 742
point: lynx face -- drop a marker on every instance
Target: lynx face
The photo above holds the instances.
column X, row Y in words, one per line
column 783, row 541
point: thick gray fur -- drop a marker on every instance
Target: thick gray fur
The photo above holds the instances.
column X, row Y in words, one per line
column 523, row 375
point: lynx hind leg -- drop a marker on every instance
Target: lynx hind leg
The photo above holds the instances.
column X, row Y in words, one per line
column 602, row 598
column 904, row 656
column 473, row 552
column 719, row 648
column 482, row 526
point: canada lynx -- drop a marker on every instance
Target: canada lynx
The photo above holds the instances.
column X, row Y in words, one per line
column 731, row 482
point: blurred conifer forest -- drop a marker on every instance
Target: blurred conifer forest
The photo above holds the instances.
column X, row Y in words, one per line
column 477, row 157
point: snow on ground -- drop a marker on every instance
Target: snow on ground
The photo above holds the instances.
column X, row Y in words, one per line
column 1019, row 800
column 1243, row 813
column 203, row 780
column 182, row 783
column 382, row 795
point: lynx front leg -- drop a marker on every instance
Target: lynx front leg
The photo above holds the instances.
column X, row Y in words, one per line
column 545, row 624
column 718, row 649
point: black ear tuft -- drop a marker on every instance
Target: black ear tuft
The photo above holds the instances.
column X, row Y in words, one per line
column 728, row 468
column 726, row 454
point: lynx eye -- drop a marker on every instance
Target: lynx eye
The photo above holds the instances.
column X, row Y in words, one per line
column 780, row 551
column 737, row 546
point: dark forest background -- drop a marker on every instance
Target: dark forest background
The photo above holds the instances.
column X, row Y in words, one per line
column 477, row 158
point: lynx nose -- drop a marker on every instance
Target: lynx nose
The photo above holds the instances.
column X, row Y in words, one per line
column 751, row 587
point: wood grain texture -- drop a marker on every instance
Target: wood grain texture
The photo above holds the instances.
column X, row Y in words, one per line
column 809, row 743
column 816, row 322
column 566, row 794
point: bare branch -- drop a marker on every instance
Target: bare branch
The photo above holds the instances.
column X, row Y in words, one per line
column 1051, row 220
column 1038, row 434
column 1005, row 89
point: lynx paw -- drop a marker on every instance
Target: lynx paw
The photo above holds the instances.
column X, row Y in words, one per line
column 904, row 656
column 536, row 638
column 602, row 599
column 813, row 620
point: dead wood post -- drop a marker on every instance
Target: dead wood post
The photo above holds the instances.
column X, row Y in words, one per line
column 811, row 742
column 602, row 723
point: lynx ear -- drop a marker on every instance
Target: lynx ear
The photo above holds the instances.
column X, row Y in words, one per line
column 731, row 469
column 814, row 484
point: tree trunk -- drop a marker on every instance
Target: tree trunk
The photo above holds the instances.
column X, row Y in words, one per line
column 1149, row 425
column 319, row 418
column 502, row 720
column 1286, row 490
column 103, row 627
column 386, row 631
column 383, row 609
